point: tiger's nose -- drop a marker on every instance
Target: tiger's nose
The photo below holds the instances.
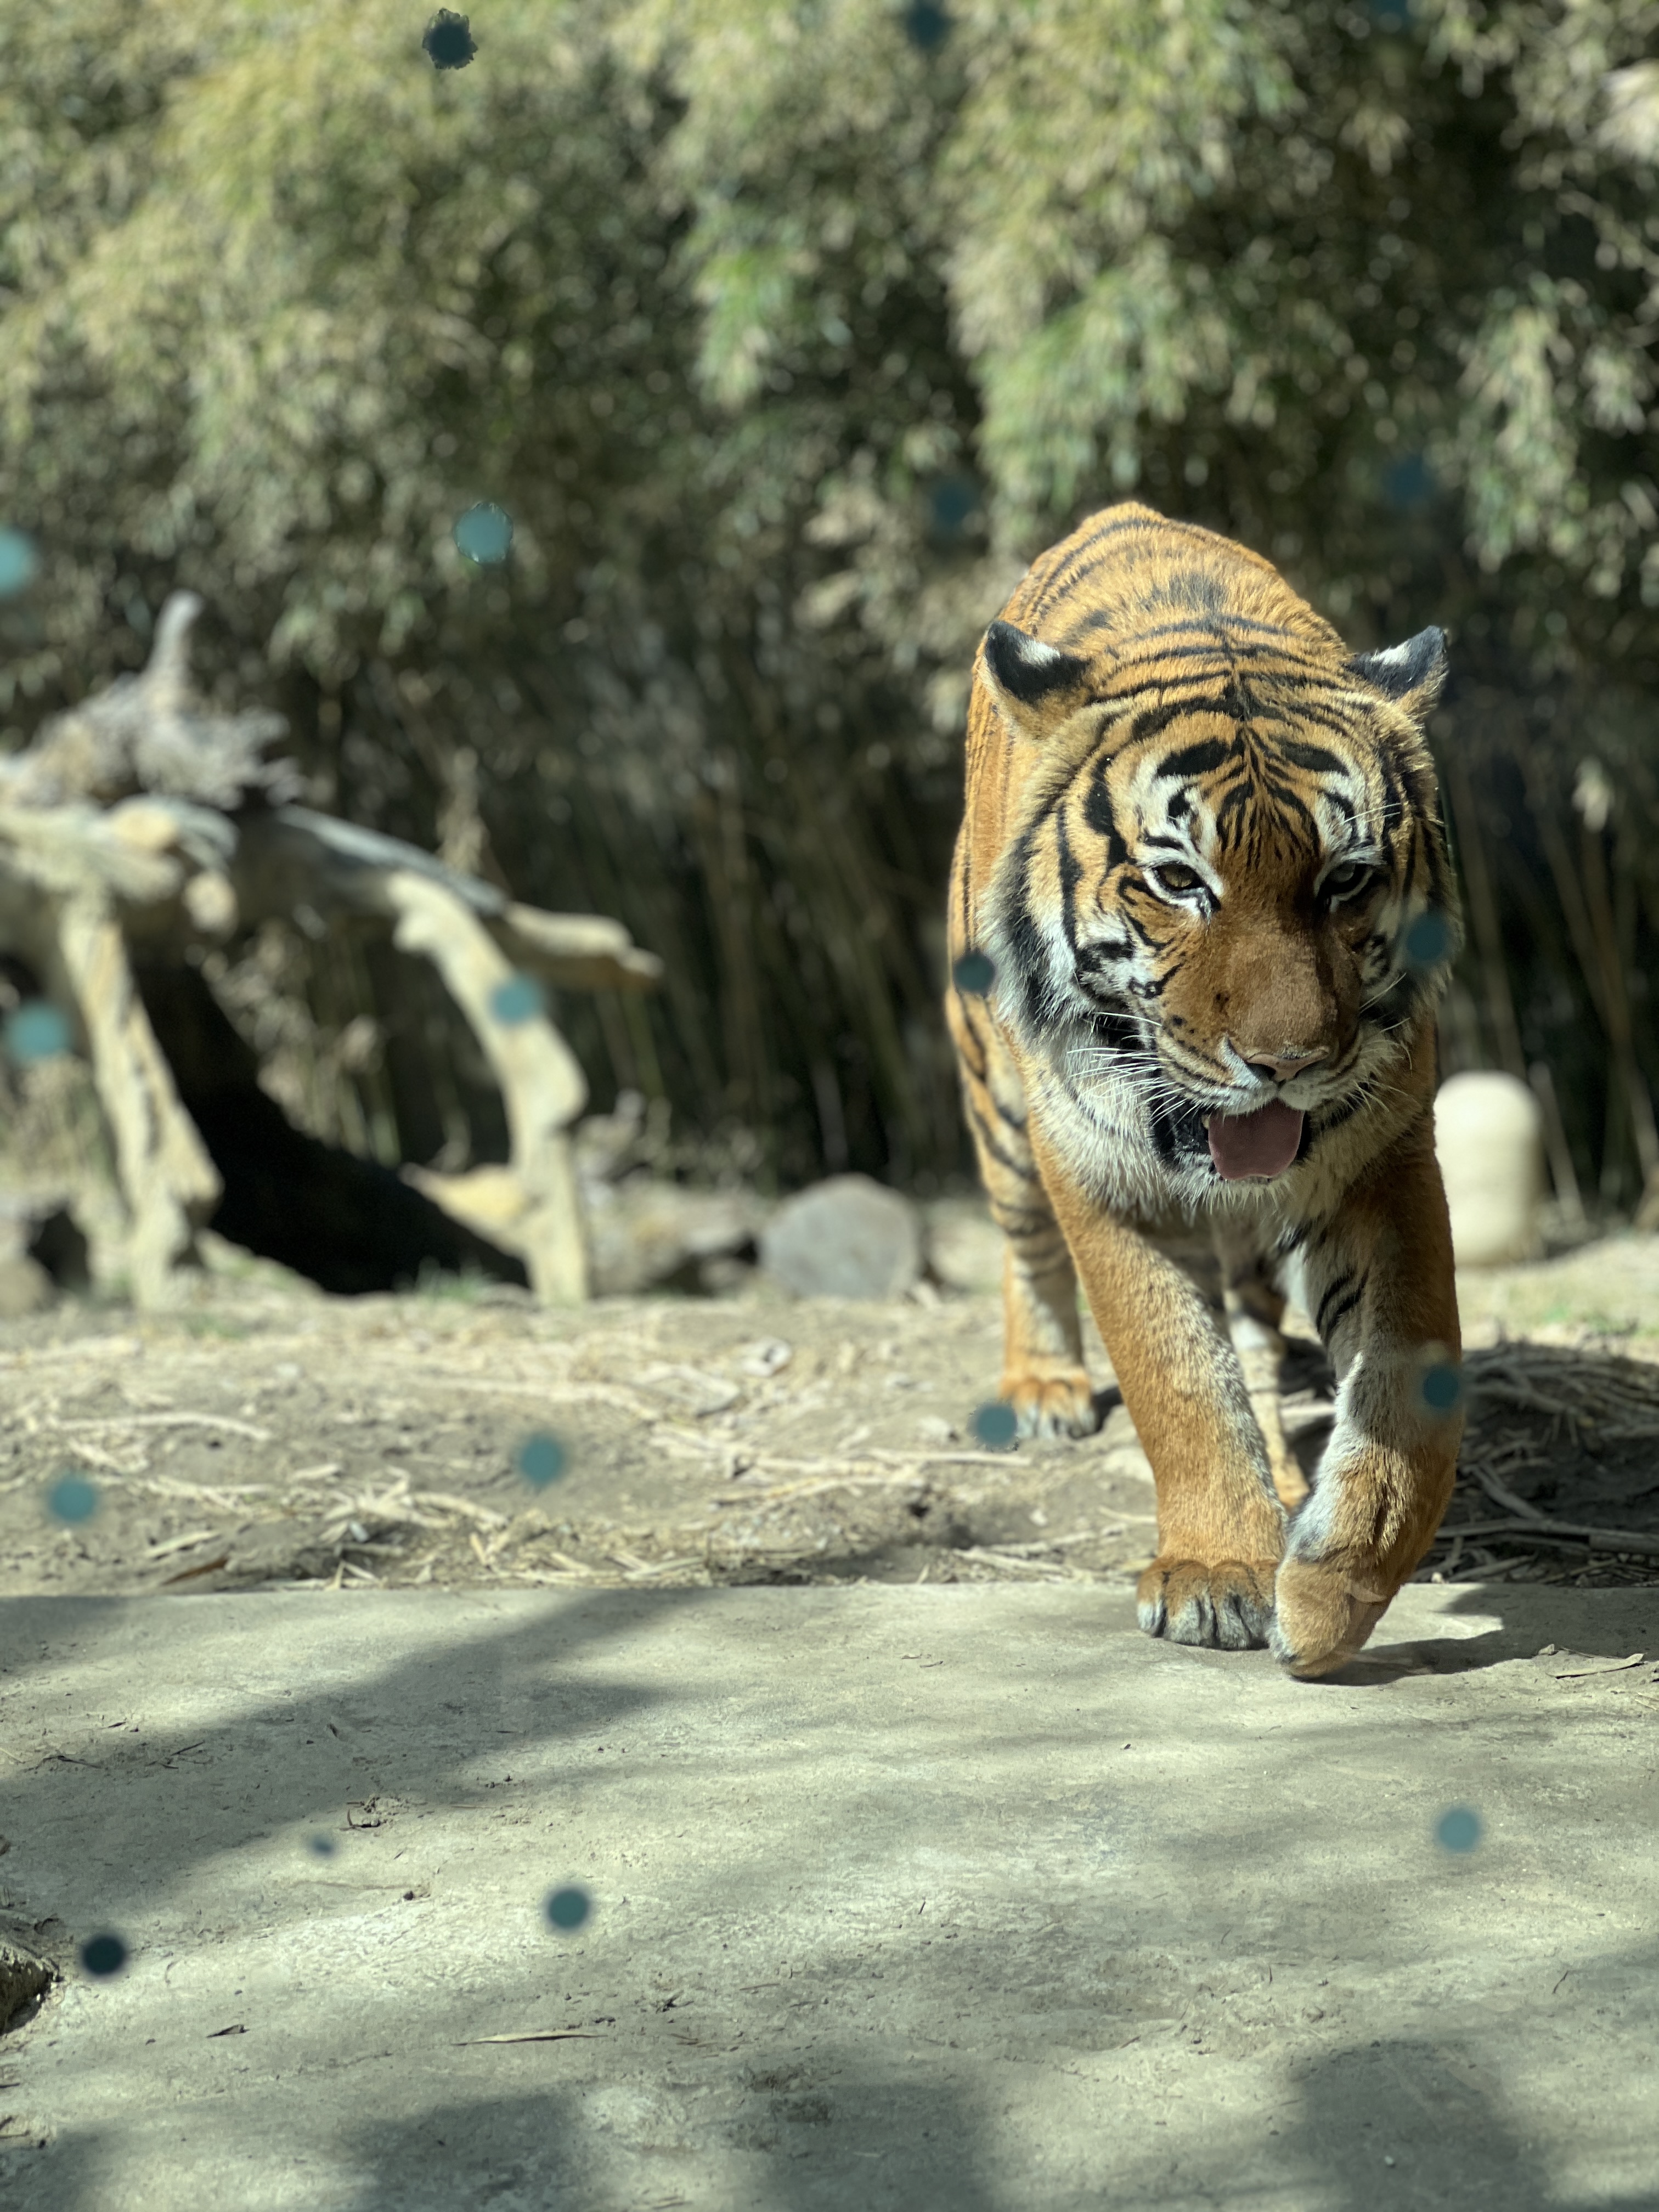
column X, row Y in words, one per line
column 1282, row 1069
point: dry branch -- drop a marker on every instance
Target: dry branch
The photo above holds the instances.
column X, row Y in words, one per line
column 141, row 812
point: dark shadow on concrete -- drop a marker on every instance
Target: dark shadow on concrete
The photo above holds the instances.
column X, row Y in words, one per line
column 790, row 2136
column 1421, row 2127
column 1529, row 1616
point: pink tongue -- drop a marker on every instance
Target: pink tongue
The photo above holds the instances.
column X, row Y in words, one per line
column 1260, row 1143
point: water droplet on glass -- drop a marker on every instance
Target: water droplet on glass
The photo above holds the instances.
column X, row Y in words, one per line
column 540, row 1459
column 19, row 562
column 72, row 1498
column 518, row 1000
column 927, row 25
column 36, row 1030
column 568, row 1908
column 1458, row 1829
column 322, row 1847
column 1427, row 941
column 449, row 43
column 484, row 533
column 975, row 972
column 1442, row 1388
column 996, row 1425
column 951, row 501
column 103, row 1955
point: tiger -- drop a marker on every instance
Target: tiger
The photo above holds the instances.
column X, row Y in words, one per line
column 1201, row 913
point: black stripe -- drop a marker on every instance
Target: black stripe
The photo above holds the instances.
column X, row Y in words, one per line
column 1200, row 759
column 1334, row 1306
column 1014, row 1167
column 1310, row 756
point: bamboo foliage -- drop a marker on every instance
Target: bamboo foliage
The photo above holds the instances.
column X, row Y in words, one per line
column 786, row 339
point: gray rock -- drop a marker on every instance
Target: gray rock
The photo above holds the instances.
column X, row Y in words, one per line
column 646, row 1231
column 846, row 1238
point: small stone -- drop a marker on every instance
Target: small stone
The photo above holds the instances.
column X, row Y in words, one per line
column 846, row 1238
column 1488, row 1139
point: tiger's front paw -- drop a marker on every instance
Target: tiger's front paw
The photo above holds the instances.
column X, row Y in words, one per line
column 1227, row 1605
column 1322, row 1618
column 1056, row 1405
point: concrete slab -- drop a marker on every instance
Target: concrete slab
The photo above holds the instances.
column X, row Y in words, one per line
column 965, row 1898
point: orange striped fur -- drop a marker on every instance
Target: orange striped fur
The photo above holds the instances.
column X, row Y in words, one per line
column 1203, row 852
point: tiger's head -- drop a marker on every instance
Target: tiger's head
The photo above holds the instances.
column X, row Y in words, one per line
column 1226, row 900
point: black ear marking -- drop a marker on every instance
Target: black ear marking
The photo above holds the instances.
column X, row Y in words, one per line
column 1417, row 668
column 1026, row 669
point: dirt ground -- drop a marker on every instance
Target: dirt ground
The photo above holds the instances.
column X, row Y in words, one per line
column 264, row 1435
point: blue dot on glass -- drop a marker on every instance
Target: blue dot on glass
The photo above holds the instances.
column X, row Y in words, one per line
column 1408, row 481
column 1458, row 1829
column 485, row 534
column 995, row 1425
column 518, row 1000
column 540, row 1460
column 19, row 562
column 72, row 1498
column 320, row 1846
column 1443, row 1386
column 568, row 1908
column 952, row 500
column 927, row 25
column 975, row 972
column 36, row 1030
column 449, row 43
column 1427, row 941
column 103, row 1955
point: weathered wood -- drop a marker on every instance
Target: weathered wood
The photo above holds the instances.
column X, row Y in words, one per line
column 169, row 1183
column 542, row 1088
column 147, row 733
column 289, row 857
column 141, row 813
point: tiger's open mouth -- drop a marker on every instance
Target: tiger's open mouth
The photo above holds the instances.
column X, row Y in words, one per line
column 1263, row 1144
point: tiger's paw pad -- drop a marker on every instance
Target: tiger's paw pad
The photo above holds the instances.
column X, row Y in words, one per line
column 1227, row 1605
column 1322, row 1618
column 1052, row 1405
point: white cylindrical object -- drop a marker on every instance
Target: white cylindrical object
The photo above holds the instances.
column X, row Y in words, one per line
column 1488, row 1140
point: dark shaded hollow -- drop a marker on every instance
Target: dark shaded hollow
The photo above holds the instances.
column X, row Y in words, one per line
column 350, row 1225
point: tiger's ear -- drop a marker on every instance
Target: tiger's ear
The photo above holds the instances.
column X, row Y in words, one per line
column 1410, row 674
column 1035, row 685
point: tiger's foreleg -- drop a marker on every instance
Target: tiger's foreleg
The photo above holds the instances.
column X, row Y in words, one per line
column 1221, row 1527
column 1044, row 1377
column 1381, row 1288
column 1255, row 1310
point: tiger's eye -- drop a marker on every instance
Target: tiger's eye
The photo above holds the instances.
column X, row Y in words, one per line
column 1171, row 876
column 1351, row 875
